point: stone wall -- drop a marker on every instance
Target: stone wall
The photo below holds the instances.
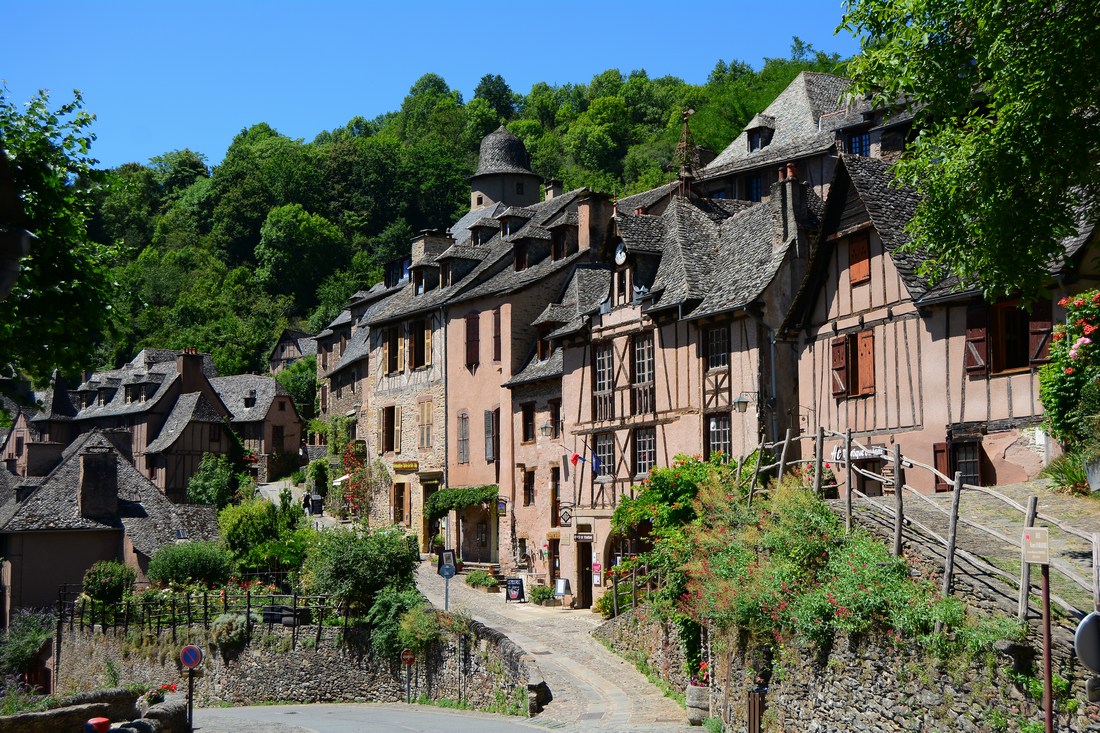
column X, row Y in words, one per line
column 866, row 684
column 483, row 669
column 117, row 705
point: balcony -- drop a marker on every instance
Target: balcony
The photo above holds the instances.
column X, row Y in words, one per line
column 603, row 405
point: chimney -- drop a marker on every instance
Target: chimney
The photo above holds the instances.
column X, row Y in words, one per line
column 429, row 243
column 189, row 365
column 123, row 441
column 553, row 189
column 594, row 219
column 98, row 490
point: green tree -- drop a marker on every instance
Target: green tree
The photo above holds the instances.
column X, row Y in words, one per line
column 1005, row 159
column 297, row 250
column 204, row 562
column 214, row 483
column 300, row 381
column 260, row 536
column 41, row 329
column 494, row 90
column 108, row 581
column 355, row 565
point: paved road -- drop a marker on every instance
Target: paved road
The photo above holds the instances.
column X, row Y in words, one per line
column 351, row 718
column 593, row 689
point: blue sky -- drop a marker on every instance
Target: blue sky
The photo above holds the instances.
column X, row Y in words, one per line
column 162, row 76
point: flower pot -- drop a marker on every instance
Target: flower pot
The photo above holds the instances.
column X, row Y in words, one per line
column 697, row 702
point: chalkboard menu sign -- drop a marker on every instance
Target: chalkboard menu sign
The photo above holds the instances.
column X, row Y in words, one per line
column 513, row 590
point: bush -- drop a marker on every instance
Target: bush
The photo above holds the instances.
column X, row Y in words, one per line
column 481, row 579
column 1067, row 471
column 391, row 604
column 28, row 631
column 355, row 566
column 204, row 562
column 214, row 483
column 230, row 630
column 419, row 627
column 298, row 477
column 540, row 593
column 108, row 581
column 317, row 473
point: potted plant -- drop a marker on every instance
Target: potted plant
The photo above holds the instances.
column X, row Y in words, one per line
column 543, row 595
column 697, row 695
column 458, row 563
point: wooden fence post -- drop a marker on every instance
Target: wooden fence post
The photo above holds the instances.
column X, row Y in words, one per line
column 634, row 588
column 783, row 455
column 949, row 564
column 819, row 459
column 1025, row 568
column 848, row 481
column 614, row 593
column 899, row 514
column 756, row 470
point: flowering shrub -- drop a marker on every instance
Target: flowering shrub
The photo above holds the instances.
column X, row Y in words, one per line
column 700, row 678
column 1069, row 385
column 156, row 694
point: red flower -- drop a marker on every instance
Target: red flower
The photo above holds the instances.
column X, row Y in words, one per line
column 1079, row 302
column 1068, row 370
column 1063, row 301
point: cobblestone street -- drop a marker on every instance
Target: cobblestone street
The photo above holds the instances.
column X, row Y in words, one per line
column 593, row 689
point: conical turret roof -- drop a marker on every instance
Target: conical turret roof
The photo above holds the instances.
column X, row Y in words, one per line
column 502, row 152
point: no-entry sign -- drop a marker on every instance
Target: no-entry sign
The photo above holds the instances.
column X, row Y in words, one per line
column 407, row 656
column 190, row 656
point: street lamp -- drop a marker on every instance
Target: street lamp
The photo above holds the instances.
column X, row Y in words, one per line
column 547, row 429
column 741, row 403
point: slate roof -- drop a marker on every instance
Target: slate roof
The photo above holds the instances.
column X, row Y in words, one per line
column 460, row 230
column 190, row 408
column 645, row 199
column 502, row 152
column 586, row 290
column 307, row 343
column 550, row 368
column 233, row 390
column 806, row 116
column 493, row 259
column 146, row 515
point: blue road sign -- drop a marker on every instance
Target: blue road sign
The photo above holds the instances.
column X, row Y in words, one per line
column 191, row 656
column 447, row 571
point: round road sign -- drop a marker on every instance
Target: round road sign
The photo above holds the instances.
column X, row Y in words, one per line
column 190, row 656
column 447, row 571
column 407, row 656
column 1087, row 642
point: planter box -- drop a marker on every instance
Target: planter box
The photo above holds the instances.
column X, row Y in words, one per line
column 491, row 588
column 552, row 603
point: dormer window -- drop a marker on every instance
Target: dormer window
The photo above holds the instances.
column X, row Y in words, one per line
column 418, row 282
column 542, row 348
column 859, row 143
column 480, row 199
column 756, row 139
column 250, row 398
column 445, row 274
column 520, row 256
column 557, row 245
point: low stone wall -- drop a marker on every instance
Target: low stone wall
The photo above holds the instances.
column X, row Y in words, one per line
column 117, row 705
column 482, row 669
column 865, row 685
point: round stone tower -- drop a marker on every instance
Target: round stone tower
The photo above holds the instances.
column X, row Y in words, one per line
column 502, row 173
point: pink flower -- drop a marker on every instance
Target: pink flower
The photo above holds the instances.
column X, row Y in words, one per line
column 1079, row 302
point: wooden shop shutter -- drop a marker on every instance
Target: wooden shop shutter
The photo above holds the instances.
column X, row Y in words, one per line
column 490, row 432
column 386, row 351
column 840, row 367
column 428, row 341
column 408, row 504
column 866, row 362
column 393, row 502
column 941, row 461
column 859, row 259
column 397, row 429
column 472, row 348
column 1039, row 329
column 976, row 356
column 400, row 349
column 381, row 430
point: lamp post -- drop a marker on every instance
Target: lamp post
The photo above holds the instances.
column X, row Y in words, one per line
column 547, row 429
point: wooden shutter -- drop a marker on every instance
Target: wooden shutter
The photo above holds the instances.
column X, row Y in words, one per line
column 490, row 430
column 397, row 429
column 428, row 341
column 408, row 504
column 865, row 351
column 472, row 347
column 941, row 461
column 400, row 349
column 840, row 367
column 1039, row 329
column 386, row 351
column 859, row 259
column 381, row 430
column 976, row 356
column 496, row 334
column 393, row 502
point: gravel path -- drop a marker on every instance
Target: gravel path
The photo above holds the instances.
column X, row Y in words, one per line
column 593, row 689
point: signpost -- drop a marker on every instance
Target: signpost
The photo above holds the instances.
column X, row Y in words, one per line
column 408, row 657
column 1036, row 551
column 190, row 657
column 447, row 570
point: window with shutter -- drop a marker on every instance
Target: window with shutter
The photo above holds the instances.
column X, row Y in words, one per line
column 408, row 504
column 840, row 367
column 382, row 431
column 463, row 438
column 399, row 338
column 865, row 351
column 859, row 259
column 1040, row 328
column 496, row 334
column 396, row 430
column 473, row 355
column 428, row 341
column 976, row 356
column 490, row 431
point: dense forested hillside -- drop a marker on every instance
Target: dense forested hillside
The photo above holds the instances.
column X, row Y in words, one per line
column 282, row 231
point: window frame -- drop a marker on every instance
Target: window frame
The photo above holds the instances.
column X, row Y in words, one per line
column 859, row 259
column 473, row 340
column 603, row 380
column 718, row 428
column 462, row 434
column 425, row 420
column 718, row 347
column 529, row 487
column 527, row 422
column 644, row 443
column 603, row 448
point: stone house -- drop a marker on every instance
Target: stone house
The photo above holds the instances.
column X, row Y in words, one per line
column 94, row 505
column 264, row 417
column 291, row 346
column 951, row 378
column 163, row 400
